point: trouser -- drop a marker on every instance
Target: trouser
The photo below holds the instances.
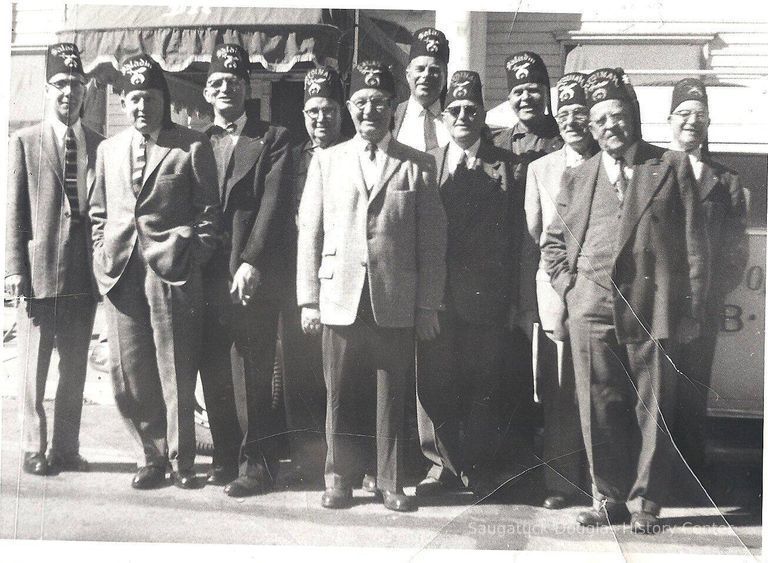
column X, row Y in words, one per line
column 216, row 371
column 67, row 323
column 254, row 331
column 303, row 385
column 626, row 395
column 364, row 362
column 458, row 381
column 154, row 340
column 563, row 444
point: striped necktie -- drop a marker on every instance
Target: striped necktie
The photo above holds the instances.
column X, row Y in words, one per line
column 621, row 180
column 430, row 131
column 70, row 173
column 139, row 162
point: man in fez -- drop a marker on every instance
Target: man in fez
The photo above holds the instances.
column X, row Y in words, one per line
column 48, row 261
column 627, row 254
column 371, row 266
column 246, row 278
column 156, row 222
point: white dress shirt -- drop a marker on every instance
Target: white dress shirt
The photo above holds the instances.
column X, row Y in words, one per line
column 572, row 157
column 372, row 168
column 59, row 132
column 150, row 144
column 412, row 130
column 455, row 152
column 239, row 124
column 612, row 165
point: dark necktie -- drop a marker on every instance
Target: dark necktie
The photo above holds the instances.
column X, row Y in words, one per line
column 430, row 133
column 371, row 149
column 231, row 128
column 70, row 173
column 621, row 180
column 139, row 162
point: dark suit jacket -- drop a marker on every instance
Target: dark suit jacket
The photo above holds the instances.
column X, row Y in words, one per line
column 485, row 229
column 661, row 262
column 397, row 118
column 256, row 202
column 38, row 237
column 725, row 209
column 175, row 217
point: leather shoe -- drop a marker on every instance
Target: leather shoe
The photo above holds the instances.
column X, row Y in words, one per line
column 430, row 487
column 185, row 479
column 35, row 463
column 369, row 484
column 555, row 502
column 644, row 523
column 615, row 514
column 148, row 477
column 245, row 486
column 220, row 475
column 399, row 502
column 336, row 498
column 74, row 462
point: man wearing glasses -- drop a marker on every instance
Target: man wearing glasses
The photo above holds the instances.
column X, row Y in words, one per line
column 626, row 253
column 553, row 368
column 48, row 261
column 244, row 281
column 725, row 209
column 460, row 370
column 371, row 266
column 303, row 385
column 418, row 122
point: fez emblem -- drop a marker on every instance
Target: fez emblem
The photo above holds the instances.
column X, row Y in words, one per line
column 566, row 91
column 522, row 70
column 372, row 79
column 461, row 89
column 695, row 91
column 314, row 88
column 599, row 94
column 432, row 45
column 138, row 75
column 231, row 61
column 70, row 59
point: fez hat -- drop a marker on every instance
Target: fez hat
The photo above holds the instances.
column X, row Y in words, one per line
column 429, row 42
column 63, row 58
column 688, row 89
column 570, row 89
column 372, row 74
column 465, row 85
column 323, row 82
column 230, row 58
column 525, row 67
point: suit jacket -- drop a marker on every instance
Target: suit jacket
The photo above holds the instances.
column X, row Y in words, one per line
column 176, row 216
column 396, row 235
column 397, row 118
column 38, row 238
column 725, row 210
column 661, row 262
column 255, row 200
column 485, row 229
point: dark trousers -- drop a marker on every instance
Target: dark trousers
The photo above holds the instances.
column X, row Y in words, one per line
column 364, row 363
column 254, row 332
column 154, row 339
column 563, row 444
column 458, row 381
column 216, row 371
column 67, row 323
column 626, row 395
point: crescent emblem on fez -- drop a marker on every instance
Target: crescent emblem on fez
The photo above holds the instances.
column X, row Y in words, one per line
column 372, row 80
column 314, row 88
column 695, row 91
column 599, row 94
column 432, row 45
column 522, row 71
column 566, row 92
column 70, row 60
column 230, row 61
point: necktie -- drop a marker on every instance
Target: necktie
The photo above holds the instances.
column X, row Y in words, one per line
column 231, row 128
column 430, row 133
column 139, row 162
column 462, row 164
column 621, row 180
column 371, row 148
column 70, row 173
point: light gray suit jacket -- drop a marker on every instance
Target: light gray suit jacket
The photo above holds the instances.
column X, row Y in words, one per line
column 396, row 234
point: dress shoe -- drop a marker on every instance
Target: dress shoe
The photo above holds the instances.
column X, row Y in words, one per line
column 369, row 484
column 644, row 523
column 245, row 486
column 399, row 502
column 615, row 514
column 74, row 462
column 35, row 463
column 336, row 498
column 185, row 479
column 148, row 477
column 555, row 502
column 430, row 486
column 220, row 475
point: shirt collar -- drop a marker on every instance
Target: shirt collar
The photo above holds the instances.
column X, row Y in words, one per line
column 416, row 108
column 381, row 145
column 628, row 157
column 60, row 129
column 456, row 151
column 573, row 157
column 239, row 123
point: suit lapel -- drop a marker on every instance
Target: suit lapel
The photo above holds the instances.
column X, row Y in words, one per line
column 441, row 163
column 391, row 163
column 158, row 152
column 581, row 204
column 91, row 142
column 51, row 151
column 708, row 181
column 122, row 159
column 397, row 120
column 489, row 164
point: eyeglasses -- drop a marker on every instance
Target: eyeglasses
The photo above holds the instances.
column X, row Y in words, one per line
column 615, row 118
column 67, row 83
column 220, row 83
column 378, row 104
column 455, row 111
column 580, row 116
column 314, row 113
column 697, row 115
